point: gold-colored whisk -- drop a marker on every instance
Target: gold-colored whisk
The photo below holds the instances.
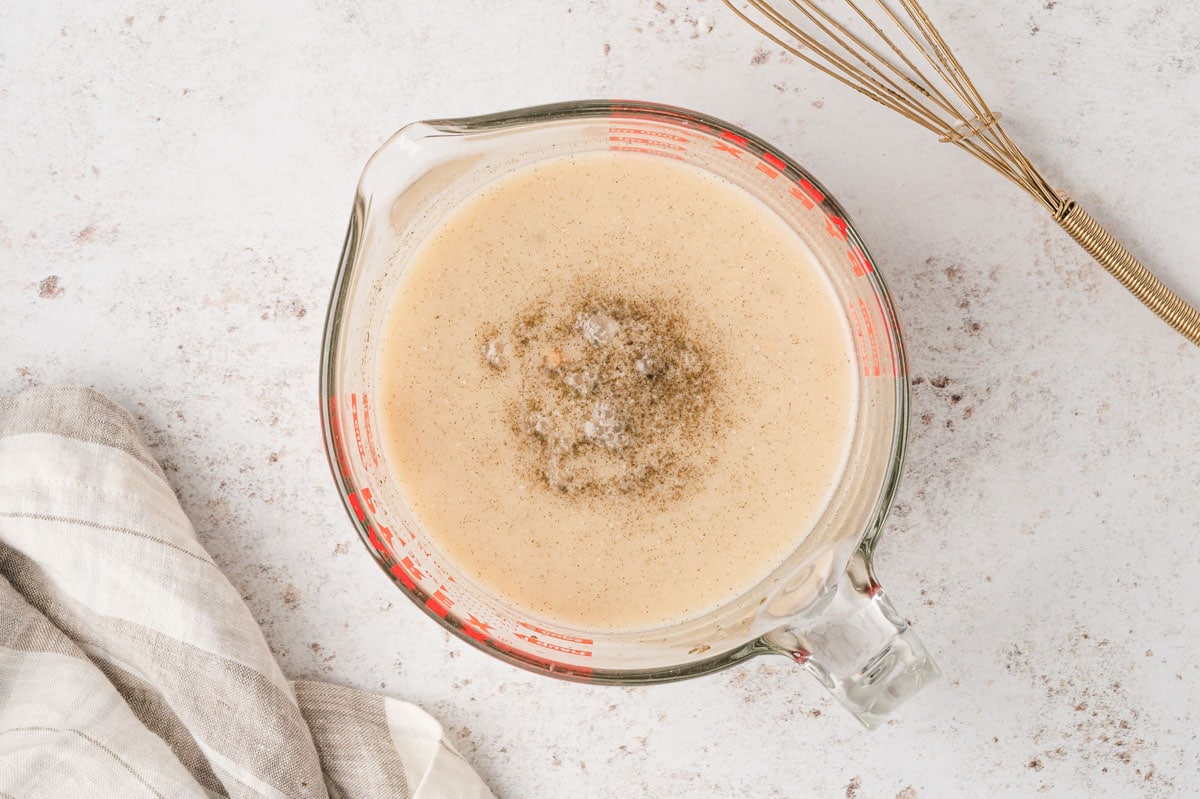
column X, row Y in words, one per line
column 890, row 51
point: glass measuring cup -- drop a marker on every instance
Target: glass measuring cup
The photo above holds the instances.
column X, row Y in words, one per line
column 822, row 607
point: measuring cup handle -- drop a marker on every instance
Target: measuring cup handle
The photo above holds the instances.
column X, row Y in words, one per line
column 859, row 647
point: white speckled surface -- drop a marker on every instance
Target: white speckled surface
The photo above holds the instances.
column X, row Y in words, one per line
column 174, row 187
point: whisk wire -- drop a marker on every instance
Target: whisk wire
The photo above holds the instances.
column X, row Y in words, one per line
column 927, row 86
column 938, row 54
column 906, row 65
column 944, row 118
column 878, row 86
column 870, row 58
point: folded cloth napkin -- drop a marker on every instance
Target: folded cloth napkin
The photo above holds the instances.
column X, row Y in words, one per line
column 129, row 665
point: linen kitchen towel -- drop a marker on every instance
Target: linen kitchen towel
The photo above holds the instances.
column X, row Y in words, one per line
column 130, row 666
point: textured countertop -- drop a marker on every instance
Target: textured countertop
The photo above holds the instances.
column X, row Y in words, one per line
column 174, row 188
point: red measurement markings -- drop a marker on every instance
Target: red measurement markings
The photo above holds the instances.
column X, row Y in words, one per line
column 837, row 228
column 402, row 574
column 864, row 330
column 771, row 165
column 559, row 636
column 869, row 337
column 357, row 504
column 626, row 148
column 644, row 145
column 856, row 327
column 566, row 650
column 381, row 539
column 439, row 602
column 652, row 133
column 405, row 569
column 810, row 197
column 339, row 447
column 740, row 141
column 633, row 144
column 727, row 148
column 731, row 144
column 808, row 194
column 358, row 438
column 370, row 435
column 408, row 531
column 380, row 545
column 862, row 264
column 427, row 558
column 476, row 628
column 411, row 568
column 887, row 332
column 640, row 139
column 643, row 138
column 871, row 325
column 540, row 662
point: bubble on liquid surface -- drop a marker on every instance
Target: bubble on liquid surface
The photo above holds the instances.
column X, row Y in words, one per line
column 498, row 353
column 598, row 327
column 606, row 427
column 557, row 475
column 583, row 380
column 538, row 424
column 649, row 365
column 690, row 362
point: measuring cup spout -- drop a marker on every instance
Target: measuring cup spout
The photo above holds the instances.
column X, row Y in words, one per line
column 858, row 646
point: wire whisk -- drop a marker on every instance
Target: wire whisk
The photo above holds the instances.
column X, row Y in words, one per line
column 890, row 51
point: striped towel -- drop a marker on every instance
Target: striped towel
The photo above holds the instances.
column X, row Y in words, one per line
column 130, row 667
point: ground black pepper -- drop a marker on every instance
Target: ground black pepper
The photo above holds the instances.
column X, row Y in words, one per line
column 615, row 396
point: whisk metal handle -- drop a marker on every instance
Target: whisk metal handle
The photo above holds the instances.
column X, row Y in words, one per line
column 1121, row 264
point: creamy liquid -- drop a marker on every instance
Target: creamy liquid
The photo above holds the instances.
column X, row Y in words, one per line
column 638, row 533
